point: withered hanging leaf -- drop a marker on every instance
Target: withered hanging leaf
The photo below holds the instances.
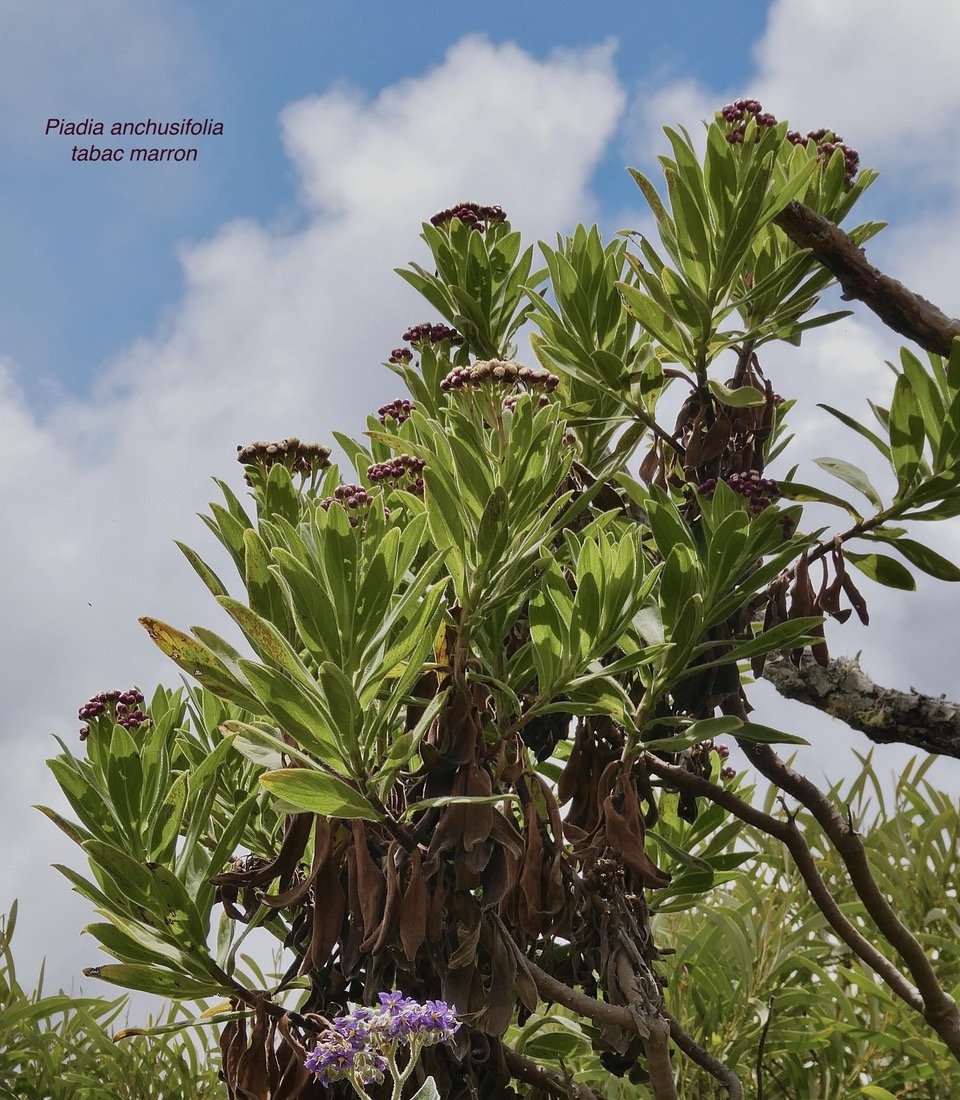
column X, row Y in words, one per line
column 530, row 902
column 413, row 909
column 329, row 907
column 391, row 907
column 625, row 832
column 371, row 883
column 856, row 599
column 651, row 464
column 436, row 913
column 468, row 938
column 497, row 1013
column 295, row 836
column 298, row 891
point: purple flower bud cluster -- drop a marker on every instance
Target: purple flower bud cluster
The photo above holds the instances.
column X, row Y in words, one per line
column 400, row 355
column 357, row 1045
column 399, row 410
column 299, row 458
column 426, row 333
column 122, row 707
column 511, row 401
column 471, row 214
column 750, row 485
column 827, row 142
column 721, row 750
column 507, row 371
column 738, row 115
column 402, row 472
column 728, row 773
column 350, row 497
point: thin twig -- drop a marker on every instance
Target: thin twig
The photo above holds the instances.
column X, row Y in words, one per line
column 761, row 1044
column 703, row 1058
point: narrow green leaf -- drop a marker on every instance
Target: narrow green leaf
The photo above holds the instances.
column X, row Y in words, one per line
column 850, row 422
column 742, row 398
column 765, row 735
column 150, row 979
column 319, row 793
column 883, row 570
column 852, row 475
column 926, row 559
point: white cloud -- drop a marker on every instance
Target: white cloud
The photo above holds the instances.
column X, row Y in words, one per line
column 276, row 333
column 881, row 72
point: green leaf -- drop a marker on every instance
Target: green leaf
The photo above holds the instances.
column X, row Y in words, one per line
column 457, row 800
column 197, row 660
column 150, row 979
column 714, row 727
column 548, row 1046
column 907, row 436
column 268, row 642
column 297, row 709
column 793, row 490
column 765, row 735
column 319, row 793
column 742, row 398
column 883, row 570
column 205, row 573
column 782, row 636
column 427, row 1091
column 344, row 708
column 926, row 559
column 852, row 475
column 850, row 422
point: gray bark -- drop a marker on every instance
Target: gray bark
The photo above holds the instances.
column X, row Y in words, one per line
column 843, row 690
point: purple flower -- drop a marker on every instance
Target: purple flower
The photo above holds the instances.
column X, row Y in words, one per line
column 357, row 1045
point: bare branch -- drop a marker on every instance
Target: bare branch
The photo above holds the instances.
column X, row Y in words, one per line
column 938, row 1007
column 842, row 690
column 791, row 837
column 704, row 1059
column 899, row 308
column 547, row 1080
column 552, row 989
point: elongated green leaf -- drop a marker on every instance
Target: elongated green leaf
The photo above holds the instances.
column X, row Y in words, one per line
column 197, row 660
column 793, row 490
column 319, row 793
column 852, row 475
column 907, row 436
column 204, row 572
column 926, row 559
column 765, row 735
column 883, row 570
column 850, row 422
column 150, row 979
column 297, row 709
column 458, row 800
column 742, row 398
column 267, row 640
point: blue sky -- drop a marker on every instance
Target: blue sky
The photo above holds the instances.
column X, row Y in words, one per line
column 152, row 317
column 95, row 246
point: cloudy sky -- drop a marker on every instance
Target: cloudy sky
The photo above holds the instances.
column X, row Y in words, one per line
column 152, row 317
